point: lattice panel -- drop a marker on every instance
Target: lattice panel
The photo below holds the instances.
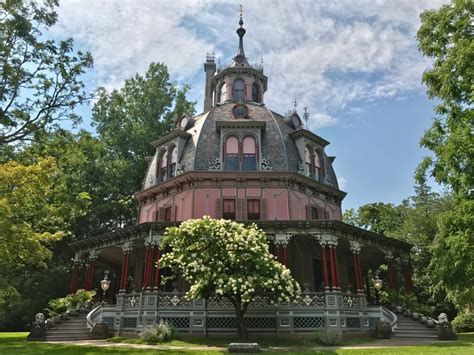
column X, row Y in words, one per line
column 351, row 302
column 109, row 321
column 129, row 322
column 260, row 323
column 221, row 322
column 177, row 322
column 309, row 322
column 312, row 300
column 172, row 301
column 218, row 303
column 353, row 322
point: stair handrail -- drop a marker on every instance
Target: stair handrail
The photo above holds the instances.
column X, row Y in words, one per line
column 91, row 315
column 392, row 317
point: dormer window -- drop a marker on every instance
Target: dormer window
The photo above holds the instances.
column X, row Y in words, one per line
column 313, row 163
column 183, row 122
column 231, row 153
column 162, row 169
column 240, row 155
column 222, row 93
column 240, row 111
column 238, row 90
column 173, row 159
column 249, row 154
column 255, row 93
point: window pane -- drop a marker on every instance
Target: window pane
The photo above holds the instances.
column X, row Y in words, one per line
column 238, row 90
column 253, row 210
column 167, row 214
column 223, row 93
column 228, row 209
column 249, row 146
column 255, row 93
column 232, row 145
column 249, row 162
column 172, row 170
column 232, row 162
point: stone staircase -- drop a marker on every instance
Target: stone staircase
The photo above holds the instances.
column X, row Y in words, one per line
column 409, row 328
column 74, row 328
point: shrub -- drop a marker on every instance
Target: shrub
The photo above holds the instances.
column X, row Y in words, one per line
column 57, row 306
column 464, row 322
column 328, row 336
column 159, row 333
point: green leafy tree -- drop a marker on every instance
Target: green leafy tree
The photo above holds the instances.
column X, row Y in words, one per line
column 32, row 217
column 226, row 259
column 127, row 121
column 446, row 36
column 40, row 82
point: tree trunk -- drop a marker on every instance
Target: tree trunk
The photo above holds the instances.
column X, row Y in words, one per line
column 241, row 326
column 239, row 312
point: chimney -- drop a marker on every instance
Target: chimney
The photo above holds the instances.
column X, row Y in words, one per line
column 210, row 69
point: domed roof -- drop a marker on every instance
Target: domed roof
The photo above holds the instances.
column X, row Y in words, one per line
column 278, row 141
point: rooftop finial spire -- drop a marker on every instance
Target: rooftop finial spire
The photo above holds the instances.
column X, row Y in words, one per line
column 240, row 59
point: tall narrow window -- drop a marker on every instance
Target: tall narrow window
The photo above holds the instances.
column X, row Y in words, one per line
column 314, row 212
column 223, row 93
column 238, row 90
column 309, row 161
column 167, row 216
column 163, row 164
column 317, row 166
column 255, row 95
column 173, row 160
column 253, row 210
column 228, row 209
column 249, row 154
column 231, row 153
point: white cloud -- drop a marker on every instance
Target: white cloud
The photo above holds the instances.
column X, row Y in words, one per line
column 328, row 55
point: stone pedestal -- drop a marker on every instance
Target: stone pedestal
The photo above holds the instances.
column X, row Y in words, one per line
column 38, row 332
column 383, row 330
column 100, row 331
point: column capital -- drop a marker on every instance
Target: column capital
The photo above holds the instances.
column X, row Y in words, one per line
column 127, row 247
column 388, row 255
column 282, row 238
column 355, row 246
column 328, row 240
column 93, row 254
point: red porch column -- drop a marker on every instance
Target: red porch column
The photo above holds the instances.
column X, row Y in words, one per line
column 281, row 247
column 392, row 279
column 90, row 270
column 324, row 251
column 75, row 275
column 407, row 271
column 147, row 270
column 355, row 248
column 336, row 267
column 126, row 248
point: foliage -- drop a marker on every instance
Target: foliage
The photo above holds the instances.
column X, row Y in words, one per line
column 227, row 259
column 445, row 36
column 40, row 78
column 58, row 305
column 127, row 120
column 159, row 333
column 32, row 217
column 463, row 323
column 328, row 336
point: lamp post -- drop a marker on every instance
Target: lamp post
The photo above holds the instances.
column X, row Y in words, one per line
column 104, row 285
column 377, row 283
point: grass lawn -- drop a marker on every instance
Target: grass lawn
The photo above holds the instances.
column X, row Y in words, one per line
column 15, row 343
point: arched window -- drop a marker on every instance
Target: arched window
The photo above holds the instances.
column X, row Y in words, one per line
column 249, row 154
column 223, row 93
column 317, row 166
column 309, row 161
column 231, row 153
column 163, row 165
column 238, row 90
column 255, row 95
column 173, row 159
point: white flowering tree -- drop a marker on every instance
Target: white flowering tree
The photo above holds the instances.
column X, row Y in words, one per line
column 226, row 259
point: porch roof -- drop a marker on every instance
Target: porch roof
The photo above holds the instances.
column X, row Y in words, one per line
column 305, row 227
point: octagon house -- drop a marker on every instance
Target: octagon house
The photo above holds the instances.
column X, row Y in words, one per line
column 240, row 160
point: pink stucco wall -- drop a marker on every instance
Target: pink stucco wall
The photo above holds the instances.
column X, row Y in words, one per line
column 281, row 203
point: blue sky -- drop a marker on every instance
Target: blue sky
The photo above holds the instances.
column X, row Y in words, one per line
column 354, row 64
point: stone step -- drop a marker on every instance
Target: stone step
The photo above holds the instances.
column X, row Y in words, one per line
column 419, row 336
column 69, row 337
column 68, row 331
